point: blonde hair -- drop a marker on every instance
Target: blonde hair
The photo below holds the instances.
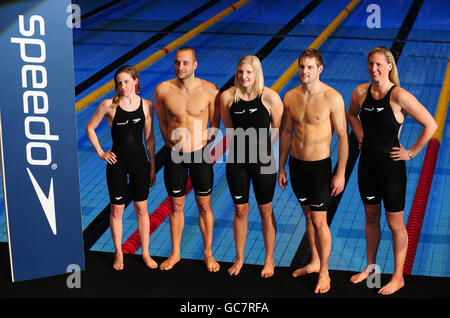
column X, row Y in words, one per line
column 393, row 73
column 259, row 77
column 129, row 69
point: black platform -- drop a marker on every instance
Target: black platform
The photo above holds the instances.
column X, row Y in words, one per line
column 189, row 281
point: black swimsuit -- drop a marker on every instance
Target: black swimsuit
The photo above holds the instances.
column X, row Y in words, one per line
column 311, row 182
column 196, row 164
column 250, row 156
column 380, row 177
column 126, row 133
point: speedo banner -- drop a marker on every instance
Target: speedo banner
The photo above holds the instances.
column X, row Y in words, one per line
column 41, row 187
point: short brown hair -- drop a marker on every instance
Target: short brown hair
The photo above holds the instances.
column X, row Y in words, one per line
column 310, row 52
column 188, row 48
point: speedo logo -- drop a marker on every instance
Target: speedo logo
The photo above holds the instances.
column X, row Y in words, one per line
column 35, row 108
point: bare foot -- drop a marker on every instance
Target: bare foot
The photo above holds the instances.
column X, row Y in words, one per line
column 308, row 269
column 268, row 270
column 236, row 268
column 118, row 261
column 323, row 284
column 211, row 264
column 149, row 261
column 169, row 263
column 358, row 278
column 391, row 287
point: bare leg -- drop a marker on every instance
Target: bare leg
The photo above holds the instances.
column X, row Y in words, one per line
column 115, row 223
column 400, row 246
column 240, row 235
column 314, row 264
column 206, row 224
column 269, row 234
column 373, row 235
column 323, row 243
column 176, row 220
column 143, row 223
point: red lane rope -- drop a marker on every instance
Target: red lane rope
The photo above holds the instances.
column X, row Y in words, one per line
column 132, row 244
column 419, row 206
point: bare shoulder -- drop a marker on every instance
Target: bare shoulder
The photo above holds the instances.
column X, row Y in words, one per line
column 401, row 95
column 270, row 94
column 361, row 90
column 227, row 96
column 229, row 91
column 163, row 87
column 293, row 92
column 209, row 87
column 331, row 94
column 148, row 104
column 105, row 105
column 271, row 97
column 291, row 95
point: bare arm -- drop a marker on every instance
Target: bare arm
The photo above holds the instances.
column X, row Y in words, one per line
column 226, row 99
column 92, row 124
column 161, row 112
column 413, row 107
column 286, row 128
column 353, row 113
column 276, row 112
column 214, row 112
column 339, row 122
column 149, row 138
column 214, row 115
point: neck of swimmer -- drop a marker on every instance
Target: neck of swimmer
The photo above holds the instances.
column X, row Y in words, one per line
column 311, row 88
column 381, row 86
column 187, row 83
column 248, row 93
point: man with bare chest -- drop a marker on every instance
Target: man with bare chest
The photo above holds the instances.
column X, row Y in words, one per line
column 313, row 110
column 184, row 106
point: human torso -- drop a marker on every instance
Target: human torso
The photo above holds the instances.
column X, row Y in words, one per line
column 251, row 123
column 312, row 125
column 187, row 116
column 126, row 131
column 380, row 126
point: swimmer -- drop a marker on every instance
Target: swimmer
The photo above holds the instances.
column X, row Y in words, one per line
column 312, row 111
column 184, row 106
column 376, row 113
column 131, row 119
column 252, row 107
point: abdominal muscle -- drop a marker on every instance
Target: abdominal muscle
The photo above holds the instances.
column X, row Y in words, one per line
column 311, row 142
column 188, row 135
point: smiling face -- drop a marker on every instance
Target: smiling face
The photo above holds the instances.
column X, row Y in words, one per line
column 246, row 76
column 185, row 64
column 378, row 67
column 126, row 84
column 309, row 70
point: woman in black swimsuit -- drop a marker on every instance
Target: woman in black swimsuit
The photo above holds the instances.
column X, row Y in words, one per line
column 130, row 117
column 376, row 113
column 251, row 109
